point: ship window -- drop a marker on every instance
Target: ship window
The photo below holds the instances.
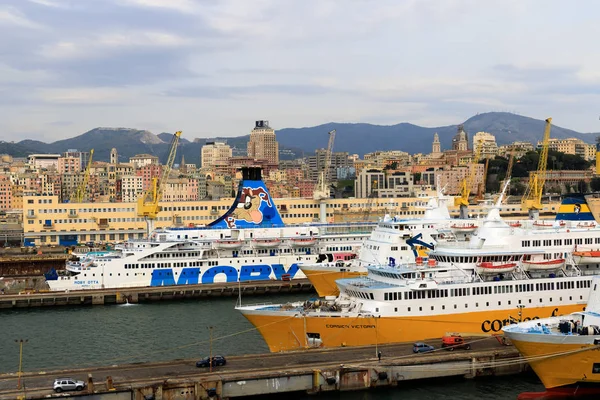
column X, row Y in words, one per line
column 420, row 308
column 408, row 309
column 596, row 368
column 443, row 307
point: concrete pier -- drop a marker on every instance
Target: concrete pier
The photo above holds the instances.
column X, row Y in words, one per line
column 309, row 371
column 150, row 294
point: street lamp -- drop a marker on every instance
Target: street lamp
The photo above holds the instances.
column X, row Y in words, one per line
column 21, row 342
column 210, row 360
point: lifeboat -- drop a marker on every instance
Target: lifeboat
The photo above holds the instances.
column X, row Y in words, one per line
column 488, row 267
column 228, row 244
column 586, row 225
column 464, row 227
column 543, row 265
column 587, row 257
column 515, row 224
column 266, row 243
column 547, row 225
column 303, row 241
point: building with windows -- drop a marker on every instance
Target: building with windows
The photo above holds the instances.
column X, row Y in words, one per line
column 263, row 143
column 487, row 143
column 141, row 160
column 215, row 154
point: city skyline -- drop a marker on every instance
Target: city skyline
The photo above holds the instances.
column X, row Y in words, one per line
column 211, row 68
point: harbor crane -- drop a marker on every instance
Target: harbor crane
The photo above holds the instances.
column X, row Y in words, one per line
column 466, row 185
column 511, row 163
column 532, row 199
column 147, row 204
column 79, row 194
column 322, row 191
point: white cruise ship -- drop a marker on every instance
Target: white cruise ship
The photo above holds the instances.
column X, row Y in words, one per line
column 249, row 242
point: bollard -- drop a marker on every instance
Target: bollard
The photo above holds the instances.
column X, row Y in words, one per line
column 90, row 384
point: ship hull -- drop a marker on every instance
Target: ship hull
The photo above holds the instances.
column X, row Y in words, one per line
column 323, row 277
column 287, row 330
column 549, row 361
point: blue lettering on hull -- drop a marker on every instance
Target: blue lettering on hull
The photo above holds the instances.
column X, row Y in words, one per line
column 192, row 276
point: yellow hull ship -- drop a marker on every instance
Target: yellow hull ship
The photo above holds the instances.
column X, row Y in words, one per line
column 290, row 330
column 323, row 277
column 563, row 351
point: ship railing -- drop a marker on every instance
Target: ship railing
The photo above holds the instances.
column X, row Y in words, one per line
column 268, row 303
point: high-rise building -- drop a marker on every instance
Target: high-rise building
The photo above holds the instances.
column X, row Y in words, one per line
column 263, row 144
column 215, row 154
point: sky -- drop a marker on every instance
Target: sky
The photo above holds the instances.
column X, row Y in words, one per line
column 212, row 67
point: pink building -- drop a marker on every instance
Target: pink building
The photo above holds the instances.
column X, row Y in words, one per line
column 69, row 165
column 6, row 200
column 147, row 172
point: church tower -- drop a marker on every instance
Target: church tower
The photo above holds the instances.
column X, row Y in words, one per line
column 436, row 148
column 114, row 156
column 460, row 141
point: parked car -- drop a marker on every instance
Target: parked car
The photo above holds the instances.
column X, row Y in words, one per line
column 454, row 341
column 64, row 384
column 421, row 347
column 216, row 361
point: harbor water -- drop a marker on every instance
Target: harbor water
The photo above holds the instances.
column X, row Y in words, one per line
column 77, row 337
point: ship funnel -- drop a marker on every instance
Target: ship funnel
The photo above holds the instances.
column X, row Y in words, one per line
column 253, row 206
column 574, row 207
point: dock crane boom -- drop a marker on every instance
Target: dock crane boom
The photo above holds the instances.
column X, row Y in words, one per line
column 511, row 163
column 147, row 205
column 467, row 184
column 79, row 194
column 532, row 199
column 322, row 188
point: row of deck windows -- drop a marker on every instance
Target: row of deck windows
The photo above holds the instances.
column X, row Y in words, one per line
column 484, row 290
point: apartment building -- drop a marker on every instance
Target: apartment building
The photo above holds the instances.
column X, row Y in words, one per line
column 141, row 160
column 485, row 144
column 215, row 154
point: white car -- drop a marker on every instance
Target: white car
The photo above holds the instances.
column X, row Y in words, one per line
column 64, row 384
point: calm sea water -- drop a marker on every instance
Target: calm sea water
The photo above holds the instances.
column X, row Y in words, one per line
column 104, row 335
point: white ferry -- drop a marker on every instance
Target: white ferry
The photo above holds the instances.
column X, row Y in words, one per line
column 249, row 242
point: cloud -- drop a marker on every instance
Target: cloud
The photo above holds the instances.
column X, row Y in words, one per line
column 10, row 16
column 220, row 64
column 224, row 92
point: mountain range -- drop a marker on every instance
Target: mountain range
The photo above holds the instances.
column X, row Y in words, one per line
column 359, row 138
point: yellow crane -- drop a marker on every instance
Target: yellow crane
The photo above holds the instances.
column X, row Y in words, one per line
column 466, row 185
column 532, row 199
column 481, row 187
column 321, row 192
column 511, row 163
column 79, row 194
column 147, row 204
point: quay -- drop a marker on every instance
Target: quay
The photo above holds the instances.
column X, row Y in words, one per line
column 150, row 294
column 309, row 371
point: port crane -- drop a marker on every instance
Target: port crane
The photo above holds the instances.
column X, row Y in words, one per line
column 79, row 194
column 511, row 163
column 322, row 192
column 147, row 204
column 462, row 201
column 532, row 199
